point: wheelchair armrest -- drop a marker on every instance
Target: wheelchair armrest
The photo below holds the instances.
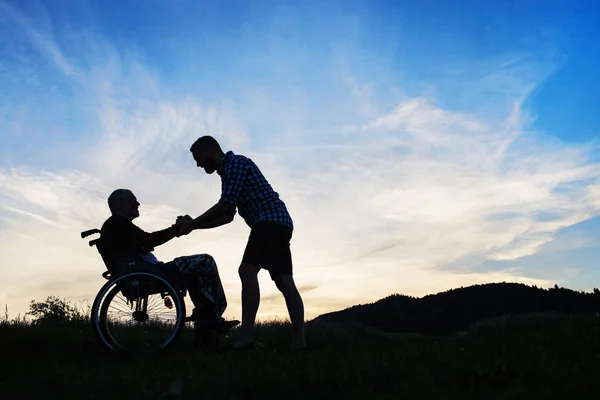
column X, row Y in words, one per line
column 133, row 264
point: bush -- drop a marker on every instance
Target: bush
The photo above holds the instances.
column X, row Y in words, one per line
column 55, row 310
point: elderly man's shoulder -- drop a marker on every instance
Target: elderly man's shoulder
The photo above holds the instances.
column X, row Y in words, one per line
column 115, row 222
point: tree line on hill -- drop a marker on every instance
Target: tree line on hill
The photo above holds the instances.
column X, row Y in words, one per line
column 456, row 309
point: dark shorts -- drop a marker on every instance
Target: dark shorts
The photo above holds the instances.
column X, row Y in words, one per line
column 269, row 248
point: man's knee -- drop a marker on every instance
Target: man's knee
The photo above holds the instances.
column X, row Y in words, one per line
column 285, row 283
column 197, row 264
column 248, row 271
column 203, row 258
column 208, row 258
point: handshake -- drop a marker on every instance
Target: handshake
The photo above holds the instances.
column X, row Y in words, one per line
column 184, row 224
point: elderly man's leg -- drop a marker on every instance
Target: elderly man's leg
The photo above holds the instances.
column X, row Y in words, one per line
column 203, row 283
column 295, row 306
column 250, row 302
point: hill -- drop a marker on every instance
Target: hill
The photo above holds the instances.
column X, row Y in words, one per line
column 455, row 310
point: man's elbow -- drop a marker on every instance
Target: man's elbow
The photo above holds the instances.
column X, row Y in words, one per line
column 230, row 215
column 227, row 211
column 227, row 215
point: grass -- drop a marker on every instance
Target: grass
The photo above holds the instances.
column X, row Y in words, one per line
column 516, row 358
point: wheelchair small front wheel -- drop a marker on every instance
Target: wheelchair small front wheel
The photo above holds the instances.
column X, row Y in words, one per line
column 137, row 312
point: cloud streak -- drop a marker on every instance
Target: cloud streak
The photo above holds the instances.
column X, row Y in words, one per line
column 44, row 43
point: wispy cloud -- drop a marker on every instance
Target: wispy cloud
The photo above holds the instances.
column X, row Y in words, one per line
column 43, row 41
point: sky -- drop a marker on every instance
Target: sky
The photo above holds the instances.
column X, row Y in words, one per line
column 420, row 146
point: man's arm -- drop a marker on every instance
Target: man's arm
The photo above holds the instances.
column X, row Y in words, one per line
column 219, row 214
column 232, row 180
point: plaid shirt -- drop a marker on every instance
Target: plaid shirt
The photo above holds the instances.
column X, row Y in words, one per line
column 244, row 186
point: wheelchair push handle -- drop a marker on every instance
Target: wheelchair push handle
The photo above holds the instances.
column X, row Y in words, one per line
column 88, row 233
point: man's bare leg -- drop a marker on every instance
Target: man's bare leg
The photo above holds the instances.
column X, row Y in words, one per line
column 250, row 302
column 295, row 306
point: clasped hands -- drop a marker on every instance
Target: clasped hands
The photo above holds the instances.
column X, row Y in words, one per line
column 184, row 223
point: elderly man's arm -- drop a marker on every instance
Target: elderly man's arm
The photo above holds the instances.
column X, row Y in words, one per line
column 161, row 237
column 124, row 237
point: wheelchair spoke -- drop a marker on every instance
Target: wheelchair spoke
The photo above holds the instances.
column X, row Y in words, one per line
column 154, row 304
column 156, row 307
column 122, row 306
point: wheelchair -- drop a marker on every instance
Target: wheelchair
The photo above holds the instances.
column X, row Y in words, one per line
column 140, row 308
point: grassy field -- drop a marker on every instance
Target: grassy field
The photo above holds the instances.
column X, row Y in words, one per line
column 511, row 358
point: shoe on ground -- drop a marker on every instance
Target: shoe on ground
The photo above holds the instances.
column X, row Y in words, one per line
column 201, row 315
column 211, row 322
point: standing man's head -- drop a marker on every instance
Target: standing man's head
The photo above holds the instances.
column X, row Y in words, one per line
column 207, row 153
column 123, row 202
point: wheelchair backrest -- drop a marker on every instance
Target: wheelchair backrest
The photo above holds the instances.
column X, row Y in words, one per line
column 117, row 265
column 99, row 245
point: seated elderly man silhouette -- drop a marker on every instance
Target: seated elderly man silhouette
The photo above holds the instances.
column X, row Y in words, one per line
column 121, row 238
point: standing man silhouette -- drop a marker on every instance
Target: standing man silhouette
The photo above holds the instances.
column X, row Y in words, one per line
column 243, row 187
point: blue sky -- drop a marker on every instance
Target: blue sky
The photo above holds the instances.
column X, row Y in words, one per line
column 420, row 145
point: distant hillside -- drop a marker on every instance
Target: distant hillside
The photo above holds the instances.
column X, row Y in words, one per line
column 454, row 310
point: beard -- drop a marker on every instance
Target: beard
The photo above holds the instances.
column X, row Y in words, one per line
column 210, row 166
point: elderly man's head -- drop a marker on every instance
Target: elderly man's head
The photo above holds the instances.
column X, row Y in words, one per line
column 123, row 202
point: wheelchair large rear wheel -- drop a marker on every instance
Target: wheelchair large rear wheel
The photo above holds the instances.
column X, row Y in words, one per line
column 138, row 312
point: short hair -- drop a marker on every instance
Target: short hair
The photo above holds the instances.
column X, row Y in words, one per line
column 116, row 199
column 206, row 143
